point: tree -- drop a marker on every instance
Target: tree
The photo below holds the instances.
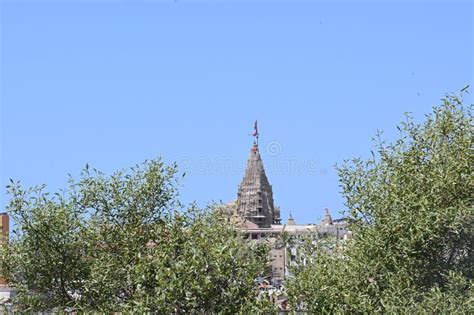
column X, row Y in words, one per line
column 411, row 208
column 124, row 242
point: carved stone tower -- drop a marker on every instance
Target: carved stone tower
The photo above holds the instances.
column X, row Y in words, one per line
column 255, row 194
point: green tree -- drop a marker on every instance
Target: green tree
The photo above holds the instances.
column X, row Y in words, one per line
column 124, row 242
column 411, row 208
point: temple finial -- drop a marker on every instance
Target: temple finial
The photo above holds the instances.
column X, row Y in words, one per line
column 255, row 132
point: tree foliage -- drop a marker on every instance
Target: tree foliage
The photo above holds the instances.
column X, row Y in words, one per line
column 411, row 208
column 123, row 242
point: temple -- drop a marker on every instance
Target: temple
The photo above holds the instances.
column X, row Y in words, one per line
column 254, row 213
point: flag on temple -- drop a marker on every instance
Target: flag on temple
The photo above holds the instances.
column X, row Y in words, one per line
column 255, row 132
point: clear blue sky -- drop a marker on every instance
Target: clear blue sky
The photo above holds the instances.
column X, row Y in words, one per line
column 111, row 83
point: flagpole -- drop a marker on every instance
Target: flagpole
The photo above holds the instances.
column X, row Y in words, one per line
column 256, row 131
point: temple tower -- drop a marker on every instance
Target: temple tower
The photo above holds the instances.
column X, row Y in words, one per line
column 255, row 194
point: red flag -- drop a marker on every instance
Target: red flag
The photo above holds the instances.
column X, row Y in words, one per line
column 255, row 132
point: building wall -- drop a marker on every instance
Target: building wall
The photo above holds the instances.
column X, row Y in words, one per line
column 283, row 257
column 4, row 230
column 277, row 258
column 337, row 230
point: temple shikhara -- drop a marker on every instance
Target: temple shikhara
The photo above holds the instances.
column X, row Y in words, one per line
column 254, row 212
column 255, row 194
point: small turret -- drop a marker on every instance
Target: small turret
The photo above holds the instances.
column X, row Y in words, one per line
column 327, row 219
column 291, row 221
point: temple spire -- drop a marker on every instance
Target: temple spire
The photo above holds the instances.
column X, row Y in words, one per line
column 255, row 194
